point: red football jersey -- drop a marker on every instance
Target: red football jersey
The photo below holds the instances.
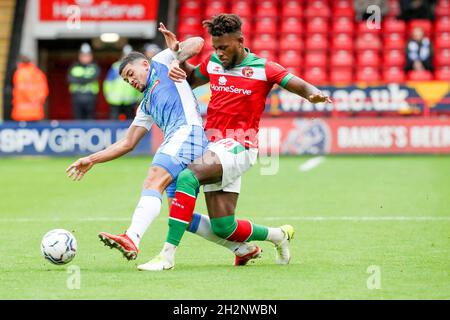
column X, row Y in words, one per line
column 238, row 96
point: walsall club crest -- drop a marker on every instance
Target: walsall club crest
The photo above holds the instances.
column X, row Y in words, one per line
column 247, row 72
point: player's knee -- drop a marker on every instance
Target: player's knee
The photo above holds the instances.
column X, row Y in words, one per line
column 196, row 171
column 156, row 180
column 187, row 179
column 221, row 229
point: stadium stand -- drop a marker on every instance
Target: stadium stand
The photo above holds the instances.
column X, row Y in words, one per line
column 355, row 51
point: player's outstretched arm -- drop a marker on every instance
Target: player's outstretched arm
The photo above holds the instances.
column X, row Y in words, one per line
column 306, row 90
column 79, row 168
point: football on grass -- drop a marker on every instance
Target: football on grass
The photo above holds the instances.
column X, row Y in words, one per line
column 59, row 246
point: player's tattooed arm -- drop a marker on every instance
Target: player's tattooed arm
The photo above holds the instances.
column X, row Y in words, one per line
column 79, row 168
column 306, row 90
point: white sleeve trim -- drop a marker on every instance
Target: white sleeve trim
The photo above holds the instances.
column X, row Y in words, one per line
column 142, row 120
column 164, row 57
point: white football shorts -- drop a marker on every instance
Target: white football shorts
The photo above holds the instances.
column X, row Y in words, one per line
column 235, row 160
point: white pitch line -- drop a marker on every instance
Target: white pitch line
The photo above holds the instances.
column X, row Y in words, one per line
column 311, row 163
column 293, row 218
column 357, row 218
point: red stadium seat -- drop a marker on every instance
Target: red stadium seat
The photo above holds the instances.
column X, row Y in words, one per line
column 424, row 24
column 317, row 25
column 191, row 8
column 442, row 58
column 368, row 74
column 190, row 25
column 317, row 8
column 316, row 75
column 394, row 8
column 394, row 58
column 342, row 25
column 295, row 71
column 292, row 25
column 215, row 7
column 442, row 74
column 368, row 41
column 420, row 75
column 266, row 9
column 342, row 58
column 266, row 25
column 316, row 59
column 365, row 27
column 442, row 40
column 394, row 26
column 317, row 42
column 341, row 75
column 370, row 58
column 208, row 42
column 291, row 42
column 247, row 27
column 443, row 24
column 343, row 8
column 342, row 41
column 394, row 41
column 394, row 75
column 442, row 8
column 292, row 8
column 290, row 58
column 183, row 36
column 270, row 55
column 264, row 42
column 243, row 8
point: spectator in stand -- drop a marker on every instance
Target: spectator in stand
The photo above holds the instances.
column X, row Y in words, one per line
column 150, row 49
column 121, row 96
column 83, row 79
column 361, row 6
column 30, row 89
column 417, row 9
column 418, row 52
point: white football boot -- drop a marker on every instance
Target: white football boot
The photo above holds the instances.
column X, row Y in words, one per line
column 283, row 255
column 158, row 263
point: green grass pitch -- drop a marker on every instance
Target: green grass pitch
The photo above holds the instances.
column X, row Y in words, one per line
column 352, row 215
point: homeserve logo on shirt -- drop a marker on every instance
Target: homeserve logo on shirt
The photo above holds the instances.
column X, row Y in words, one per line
column 222, row 87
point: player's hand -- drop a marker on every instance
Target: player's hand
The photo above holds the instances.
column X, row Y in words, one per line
column 78, row 169
column 319, row 97
column 176, row 74
column 171, row 39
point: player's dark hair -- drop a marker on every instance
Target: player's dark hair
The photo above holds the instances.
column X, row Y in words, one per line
column 130, row 58
column 222, row 24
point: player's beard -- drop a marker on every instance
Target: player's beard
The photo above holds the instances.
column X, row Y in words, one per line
column 232, row 63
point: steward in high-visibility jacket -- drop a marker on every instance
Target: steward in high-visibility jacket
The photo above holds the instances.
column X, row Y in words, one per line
column 83, row 85
column 30, row 89
column 120, row 95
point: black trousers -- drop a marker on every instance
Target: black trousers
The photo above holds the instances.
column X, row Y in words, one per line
column 83, row 106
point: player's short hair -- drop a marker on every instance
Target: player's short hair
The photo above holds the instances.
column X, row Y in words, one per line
column 130, row 58
column 222, row 24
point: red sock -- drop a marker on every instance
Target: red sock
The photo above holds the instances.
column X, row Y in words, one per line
column 183, row 206
column 242, row 232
